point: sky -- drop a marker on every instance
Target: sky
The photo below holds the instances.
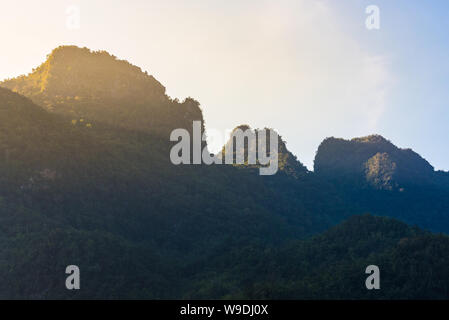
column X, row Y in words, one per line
column 309, row 69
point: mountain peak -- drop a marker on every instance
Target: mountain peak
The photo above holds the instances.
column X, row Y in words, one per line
column 78, row 82
column 374, row 160
column 74, row 50
column 287, row 161
column 373, row 138
column 77, row 73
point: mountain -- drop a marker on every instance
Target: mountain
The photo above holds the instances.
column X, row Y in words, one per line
column 287, row 162
column 87, row 180
column 413, row 265
column 372, row 160
column 95, row 86
column 378, row 177
column 107, row 198
column 33, row 142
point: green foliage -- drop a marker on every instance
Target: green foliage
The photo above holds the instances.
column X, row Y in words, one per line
column 375, row 176
column 79, row 83
column 106, row 197
column 74, row 194
column 370, row 158
column 413, row 265
column 287, row 161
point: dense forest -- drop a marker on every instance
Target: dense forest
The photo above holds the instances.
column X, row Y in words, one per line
column 86, row 179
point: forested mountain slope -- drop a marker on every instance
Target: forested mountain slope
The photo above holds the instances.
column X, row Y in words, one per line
column 378, row 177
column 95, row 86
column 109, row 200
column 86, row 179
column 413, row 264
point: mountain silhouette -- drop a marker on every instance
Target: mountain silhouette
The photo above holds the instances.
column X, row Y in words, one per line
column 86, row 179
column 94, row 85
column 373, row 160
column 287, row 161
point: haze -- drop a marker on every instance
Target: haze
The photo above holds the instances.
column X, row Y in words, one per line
column 309, row 69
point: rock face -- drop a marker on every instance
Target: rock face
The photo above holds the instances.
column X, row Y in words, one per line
column 287, row 161
column 380, row 170
column 372, row 160
column 96, row 86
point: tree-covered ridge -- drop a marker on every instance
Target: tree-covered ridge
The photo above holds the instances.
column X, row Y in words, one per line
column 378, row 177
column 372, row 160
column 94, row 85
column 110, row 201
column 94, row 75
column 31, row 140
column 413, row 265
column 288, row 163
column 90, row 182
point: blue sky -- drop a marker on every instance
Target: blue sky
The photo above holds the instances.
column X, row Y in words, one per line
column 415, row 34
column 310, row 69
